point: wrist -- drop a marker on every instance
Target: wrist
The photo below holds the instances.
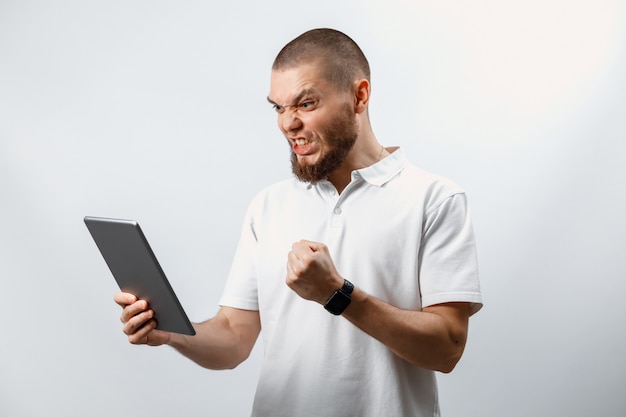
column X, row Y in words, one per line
column 176, row 340
column 340, row 299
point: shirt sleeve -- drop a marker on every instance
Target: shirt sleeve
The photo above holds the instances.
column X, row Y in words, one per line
column 448, row 260
column 241, row 286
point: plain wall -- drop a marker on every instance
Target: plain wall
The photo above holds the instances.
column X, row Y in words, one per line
column 156, row 111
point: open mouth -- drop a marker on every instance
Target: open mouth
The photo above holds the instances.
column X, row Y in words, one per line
column 302, row 145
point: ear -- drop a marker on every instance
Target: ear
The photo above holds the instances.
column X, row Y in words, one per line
column 362, row 95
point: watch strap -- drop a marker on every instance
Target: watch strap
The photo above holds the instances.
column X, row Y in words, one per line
column 347, row 287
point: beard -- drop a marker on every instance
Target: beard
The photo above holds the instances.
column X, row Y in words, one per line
column 340, row 136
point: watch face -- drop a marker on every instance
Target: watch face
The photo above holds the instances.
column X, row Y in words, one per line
column 337, row 303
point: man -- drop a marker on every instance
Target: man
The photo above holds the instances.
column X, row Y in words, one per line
column 385, row 247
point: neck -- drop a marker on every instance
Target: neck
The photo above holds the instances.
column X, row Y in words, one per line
column 366, row 152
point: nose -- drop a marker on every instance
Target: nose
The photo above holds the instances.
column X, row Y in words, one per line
column 289, row 121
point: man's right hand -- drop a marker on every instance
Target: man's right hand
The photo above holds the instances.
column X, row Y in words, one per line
column 139, row 322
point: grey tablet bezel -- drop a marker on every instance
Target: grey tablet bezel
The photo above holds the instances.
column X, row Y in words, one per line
column 136, row 270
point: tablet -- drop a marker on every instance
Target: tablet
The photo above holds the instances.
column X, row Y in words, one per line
column 137, row 271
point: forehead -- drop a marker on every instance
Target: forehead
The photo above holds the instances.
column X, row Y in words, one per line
column 288, row 84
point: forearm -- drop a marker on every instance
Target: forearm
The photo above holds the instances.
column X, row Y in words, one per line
column 219, row 343
column 425, row 338
column 433, row 338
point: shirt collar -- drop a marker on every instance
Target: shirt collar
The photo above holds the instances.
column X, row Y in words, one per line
column 385, row 169
column 381, row 172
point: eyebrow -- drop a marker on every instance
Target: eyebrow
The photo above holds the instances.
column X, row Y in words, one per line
column 300, row 96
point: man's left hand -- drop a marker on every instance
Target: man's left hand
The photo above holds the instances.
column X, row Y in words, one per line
column 311, row 272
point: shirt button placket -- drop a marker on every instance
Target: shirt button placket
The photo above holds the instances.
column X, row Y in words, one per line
column 335, row 221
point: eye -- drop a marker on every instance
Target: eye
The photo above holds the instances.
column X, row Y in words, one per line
column 278, row 109
column 307, row 105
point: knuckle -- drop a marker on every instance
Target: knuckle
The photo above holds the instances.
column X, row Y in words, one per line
column 128, row 330
column 290, row 281
column 297, row 271
column 125, row 316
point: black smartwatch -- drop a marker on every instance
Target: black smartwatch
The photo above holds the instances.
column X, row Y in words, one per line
column 338, row 302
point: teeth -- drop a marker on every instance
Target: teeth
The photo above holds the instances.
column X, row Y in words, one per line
column 301, row 142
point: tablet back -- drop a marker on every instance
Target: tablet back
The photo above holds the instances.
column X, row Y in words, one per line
column 137, row 271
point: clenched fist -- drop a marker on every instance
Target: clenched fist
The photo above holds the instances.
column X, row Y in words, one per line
column 311, row 272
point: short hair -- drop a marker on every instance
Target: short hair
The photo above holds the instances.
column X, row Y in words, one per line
column 342, row 59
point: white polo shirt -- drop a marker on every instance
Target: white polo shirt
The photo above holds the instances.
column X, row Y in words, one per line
column 397, row 232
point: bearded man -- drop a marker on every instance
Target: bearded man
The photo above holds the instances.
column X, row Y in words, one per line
column 360, row 273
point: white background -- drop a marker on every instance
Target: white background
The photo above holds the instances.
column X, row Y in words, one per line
column 156, row 111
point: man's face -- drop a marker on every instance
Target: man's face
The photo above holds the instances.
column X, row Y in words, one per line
column 318, row 121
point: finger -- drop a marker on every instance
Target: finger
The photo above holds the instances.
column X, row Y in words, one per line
column 292, row 259
column 302, row 246
column 135, row 323
column 142, row 335
column 132, row 310
column 300, row 251
column 305, row 248
column 295, row 265
column 291, row 275
column 123, row 299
